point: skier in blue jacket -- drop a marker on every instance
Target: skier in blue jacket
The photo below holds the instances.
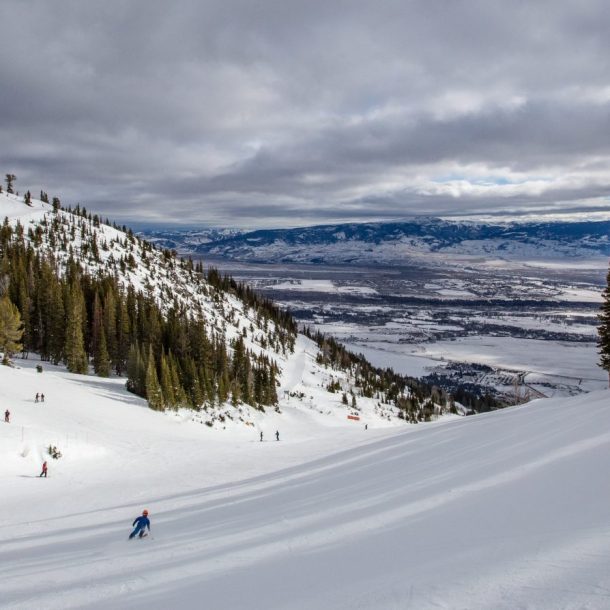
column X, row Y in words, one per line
column 141, row 524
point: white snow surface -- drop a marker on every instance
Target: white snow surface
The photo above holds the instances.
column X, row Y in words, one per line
column 321, row 285
column 504, row 510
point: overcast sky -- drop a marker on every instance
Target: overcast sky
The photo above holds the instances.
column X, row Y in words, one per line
column 278, row 113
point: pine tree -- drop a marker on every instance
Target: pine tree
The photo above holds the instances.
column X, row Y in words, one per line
column 136, row 371
column 97, row 326
column 56, row 323
column 10, row 179
column 123, row 336
column 271, row 397
column 25, row 309
column 154, row 394
column 101, row 360
column 235, row 393
column 223, row 386
column 11, row 329
column 76, row 358
column 110, row 329
column 179, row 391
column 204, row 375
column 167, row 387
column 194, row 386
column 603, row 341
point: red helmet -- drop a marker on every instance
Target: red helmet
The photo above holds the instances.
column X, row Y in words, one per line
column 145, row 512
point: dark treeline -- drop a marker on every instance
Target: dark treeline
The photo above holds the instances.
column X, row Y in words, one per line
column 171, row 357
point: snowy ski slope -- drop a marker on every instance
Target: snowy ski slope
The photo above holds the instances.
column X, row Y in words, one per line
column 500, row 511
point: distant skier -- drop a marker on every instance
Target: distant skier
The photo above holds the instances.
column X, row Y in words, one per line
column 7, row 416
column 37, row 397
column 42, row 398
column 277, row 435
column 141, row 523
column 261, row 436
column 366, row 426
column 44, row 470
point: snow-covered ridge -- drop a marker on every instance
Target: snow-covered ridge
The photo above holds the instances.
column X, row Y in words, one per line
column 101, row 248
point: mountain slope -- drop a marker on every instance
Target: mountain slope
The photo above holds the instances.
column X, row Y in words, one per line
column 146, row 269
column 502, row 510
column 182, row 337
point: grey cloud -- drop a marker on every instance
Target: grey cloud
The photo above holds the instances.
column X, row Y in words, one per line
column 266, row 112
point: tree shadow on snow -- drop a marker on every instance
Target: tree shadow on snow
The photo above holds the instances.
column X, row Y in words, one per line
column 111, row 391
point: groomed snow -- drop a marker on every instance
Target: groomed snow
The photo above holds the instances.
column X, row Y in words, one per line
column 504, row 510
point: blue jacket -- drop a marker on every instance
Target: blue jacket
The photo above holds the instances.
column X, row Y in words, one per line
column 142, row 522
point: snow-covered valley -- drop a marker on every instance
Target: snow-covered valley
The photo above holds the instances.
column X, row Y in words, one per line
column 495, row 302
column 491, row 324
column 503, row 510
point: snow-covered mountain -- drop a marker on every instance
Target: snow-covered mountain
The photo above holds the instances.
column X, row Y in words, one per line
column 186, row 241
column 219, row 347
column 503, row 510
column 395, row 243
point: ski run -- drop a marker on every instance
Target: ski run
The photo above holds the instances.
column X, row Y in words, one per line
column 508, row 509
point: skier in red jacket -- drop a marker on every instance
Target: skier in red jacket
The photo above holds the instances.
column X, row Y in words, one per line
column 44, row 470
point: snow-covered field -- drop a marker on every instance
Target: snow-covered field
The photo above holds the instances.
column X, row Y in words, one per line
column 325, row 286
column 555, row 367
column 504, row 510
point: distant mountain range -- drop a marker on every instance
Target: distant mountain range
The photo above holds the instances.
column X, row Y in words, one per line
column 186, row 240
column 396, row 242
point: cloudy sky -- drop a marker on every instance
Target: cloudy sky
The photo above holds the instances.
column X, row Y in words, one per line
column 261, row 113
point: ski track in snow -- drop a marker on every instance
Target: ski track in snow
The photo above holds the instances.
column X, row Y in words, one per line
column 503, row 510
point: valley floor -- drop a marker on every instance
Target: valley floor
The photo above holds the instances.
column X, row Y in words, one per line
column 504, row 510
column 532, row 320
